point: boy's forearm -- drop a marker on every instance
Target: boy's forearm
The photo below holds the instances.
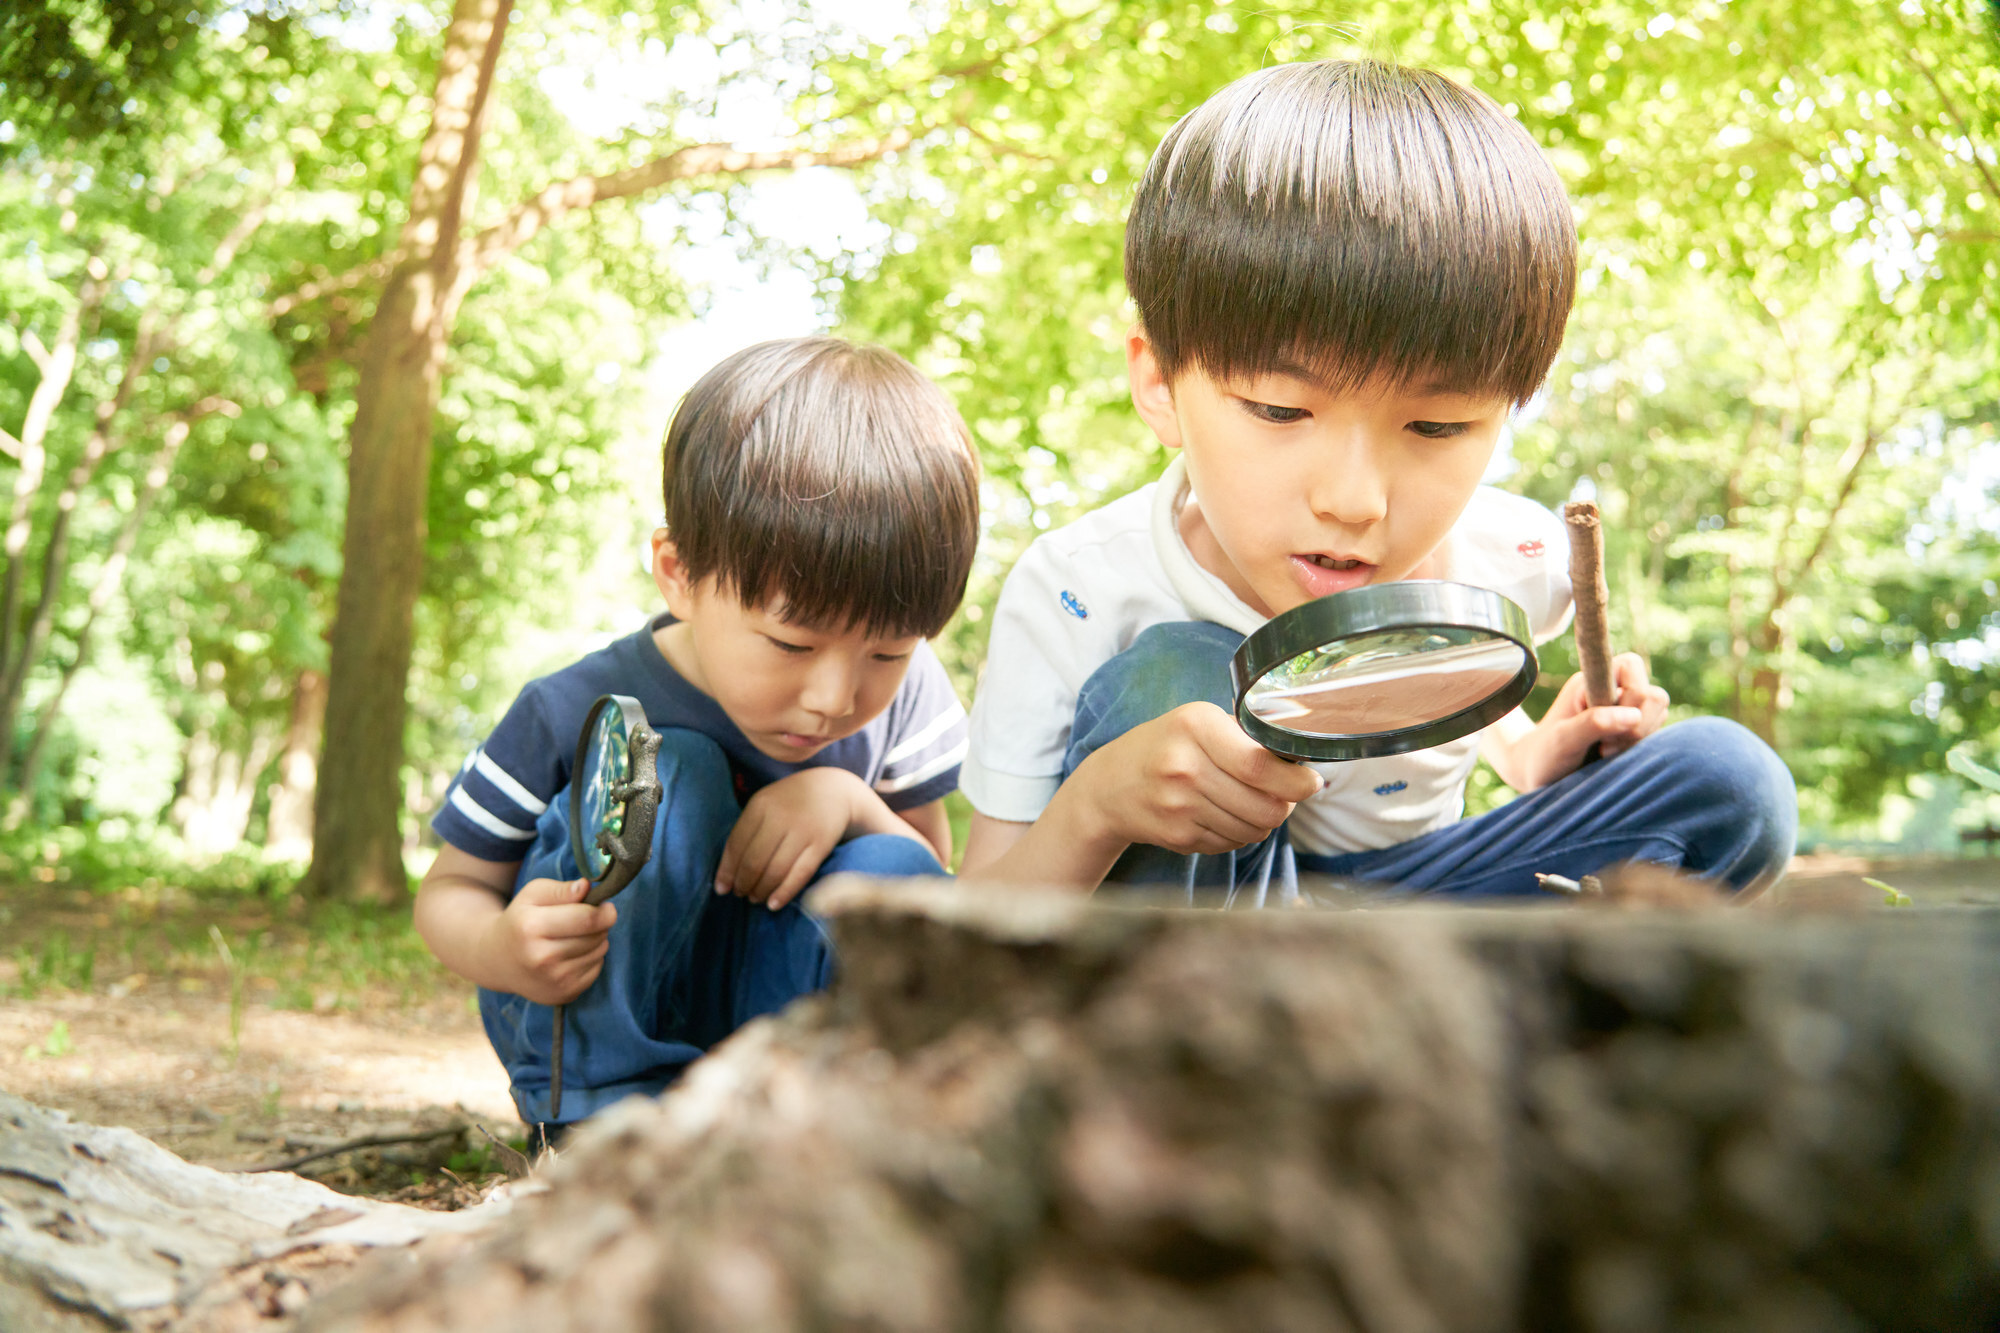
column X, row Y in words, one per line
column 869, row 813
column 1067, row 846
column 455, row 917
column 1499, row 745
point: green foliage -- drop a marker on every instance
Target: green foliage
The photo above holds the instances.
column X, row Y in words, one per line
column 1964, row 765
column 57, row 963
column 1891, row 895
column 1778, row 381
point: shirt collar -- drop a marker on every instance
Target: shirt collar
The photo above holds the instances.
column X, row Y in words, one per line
column 1205, row 596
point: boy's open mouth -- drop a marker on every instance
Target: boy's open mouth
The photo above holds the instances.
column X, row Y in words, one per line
column 1322, row 575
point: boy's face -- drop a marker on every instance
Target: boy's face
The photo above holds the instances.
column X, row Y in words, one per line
column 1299, row 492
column 792, row 690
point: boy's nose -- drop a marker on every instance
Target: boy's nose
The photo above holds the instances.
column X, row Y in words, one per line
column 829, row 691
column 1349, row 487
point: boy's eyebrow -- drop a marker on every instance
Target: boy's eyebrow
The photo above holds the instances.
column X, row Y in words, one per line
column 1319, row 379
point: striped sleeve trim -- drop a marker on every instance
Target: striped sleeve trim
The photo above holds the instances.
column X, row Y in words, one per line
column 485, row 819
column 930, row 769
column 483, row 765
column 932, row 731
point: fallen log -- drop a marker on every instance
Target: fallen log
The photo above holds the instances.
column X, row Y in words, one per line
column 1022, row 1112
column 103, row 1229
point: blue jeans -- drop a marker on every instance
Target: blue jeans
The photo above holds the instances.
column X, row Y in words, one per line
column 1704, row 795
column 686, row 967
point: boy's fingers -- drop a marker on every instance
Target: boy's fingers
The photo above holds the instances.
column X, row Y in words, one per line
column 572, row 920
column 1246, row 804
column 730, row 869
column 548, row 892
column 1243, row 759
column 756, row 876
column 794, row 882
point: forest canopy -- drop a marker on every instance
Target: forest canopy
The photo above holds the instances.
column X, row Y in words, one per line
column 1778, row 382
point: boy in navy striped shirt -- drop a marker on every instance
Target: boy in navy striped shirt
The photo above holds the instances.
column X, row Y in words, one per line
column 822, row 510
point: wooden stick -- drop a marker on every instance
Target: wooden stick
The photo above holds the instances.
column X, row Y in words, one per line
column 1586, row 578
column 350, row 1145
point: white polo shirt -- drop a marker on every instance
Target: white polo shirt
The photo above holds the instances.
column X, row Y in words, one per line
column 1081, row 594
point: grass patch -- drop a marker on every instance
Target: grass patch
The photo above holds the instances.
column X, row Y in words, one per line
column 248, row 947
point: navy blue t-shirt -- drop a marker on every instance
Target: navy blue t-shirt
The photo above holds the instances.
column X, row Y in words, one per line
column 909, row 754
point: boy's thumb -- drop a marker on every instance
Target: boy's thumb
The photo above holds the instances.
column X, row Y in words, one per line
column 553, row 892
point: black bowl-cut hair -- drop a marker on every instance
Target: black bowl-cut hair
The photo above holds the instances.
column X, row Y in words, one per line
column 1358, row 223
column 829, row 481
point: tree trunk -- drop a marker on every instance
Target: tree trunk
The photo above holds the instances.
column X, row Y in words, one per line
column 57, row 366
column 288, row 828
column 1024, row 1112
column 357, row 842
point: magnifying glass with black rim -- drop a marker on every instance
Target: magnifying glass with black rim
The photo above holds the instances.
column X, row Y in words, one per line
column 614, row 799
column 1383, row 669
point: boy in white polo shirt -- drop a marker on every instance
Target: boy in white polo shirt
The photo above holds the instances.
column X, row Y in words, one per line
column 1348, row 274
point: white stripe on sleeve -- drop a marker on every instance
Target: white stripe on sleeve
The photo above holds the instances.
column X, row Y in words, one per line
column 890, row 786
column 492, row 823
column 935, row 728
column 504, row 780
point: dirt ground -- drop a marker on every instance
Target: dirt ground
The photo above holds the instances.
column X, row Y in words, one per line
column 291, row 1035
column 134, row 1016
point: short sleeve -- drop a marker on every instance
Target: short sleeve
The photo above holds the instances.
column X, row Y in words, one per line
column 926, row 741
column 1022, row 714
column 1552, row 616
column 1516, row 547
column 505, row 784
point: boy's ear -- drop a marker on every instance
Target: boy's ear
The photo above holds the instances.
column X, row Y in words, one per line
column 1152, row 394
column 670, row 575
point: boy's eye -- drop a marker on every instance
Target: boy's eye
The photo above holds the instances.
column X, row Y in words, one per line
column 892, row 657
column 784, row 647
column 1440, row 430
column 1273, row 413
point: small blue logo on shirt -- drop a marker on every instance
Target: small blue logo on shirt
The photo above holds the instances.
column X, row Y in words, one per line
column 1391, row 788
column 1073, row 606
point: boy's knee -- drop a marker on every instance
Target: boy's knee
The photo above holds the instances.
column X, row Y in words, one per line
column 689, row 757
column 1738, row 780
column 1167, row 665
column 887, row 854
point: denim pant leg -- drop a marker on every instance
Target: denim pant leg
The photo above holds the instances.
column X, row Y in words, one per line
column 752, row 961
column 1704, row 795
column 614, row 1046
column 1169, row 665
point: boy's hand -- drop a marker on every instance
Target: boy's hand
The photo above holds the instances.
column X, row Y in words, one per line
column 1192, row 781
column 1556, row 746
column 786, row 830
column 552, row 943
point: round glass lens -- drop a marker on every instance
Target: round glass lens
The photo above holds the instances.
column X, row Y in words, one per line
column 604, row 767
column 1387, row 681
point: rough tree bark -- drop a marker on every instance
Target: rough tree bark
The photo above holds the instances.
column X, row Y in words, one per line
column 1026, row 1113
column 358, row 847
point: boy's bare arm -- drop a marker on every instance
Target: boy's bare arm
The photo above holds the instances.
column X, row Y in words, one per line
column 1189, row 781
column 790, row 827
column 546, row 944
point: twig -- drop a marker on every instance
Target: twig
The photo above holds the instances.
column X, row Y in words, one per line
column 334, row 1150
column 512, row 1159
column 1586, row 577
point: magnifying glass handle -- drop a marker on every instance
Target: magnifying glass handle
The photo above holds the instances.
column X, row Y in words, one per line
column 555, row 1065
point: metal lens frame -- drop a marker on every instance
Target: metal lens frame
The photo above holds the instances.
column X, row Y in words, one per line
column 1415, row 604
column 614, row 795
